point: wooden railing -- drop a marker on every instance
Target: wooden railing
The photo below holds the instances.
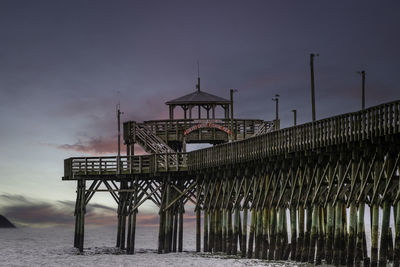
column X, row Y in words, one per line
column 153, row 163
column 371, row 123
column 356, row 126
column 242, row 128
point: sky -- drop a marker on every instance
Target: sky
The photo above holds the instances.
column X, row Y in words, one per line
column 64, row 65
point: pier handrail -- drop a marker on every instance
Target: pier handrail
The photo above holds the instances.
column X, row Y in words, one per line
column 107, row 165
column 245, row 127
column 350, row 127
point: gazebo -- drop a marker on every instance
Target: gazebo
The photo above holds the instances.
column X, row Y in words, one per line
column 201, row 100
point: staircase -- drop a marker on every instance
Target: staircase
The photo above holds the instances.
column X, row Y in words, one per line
column 265, row 127
column 152, row 143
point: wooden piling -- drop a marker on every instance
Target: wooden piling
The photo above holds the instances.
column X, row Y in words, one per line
column 175, row 228
column 313, row 234
column 181, row 212
column 198, row 227
column 82, row 210
column 285, row 240
column 217, row 238
column 293, row 233
column 77, row 214
column 351, row 241
column 279, row 235
column 205, row 231
column 161, row 228
column 198, row 217
column 359, row 241
column 300, row 239
column 374, row 235
column 168, row 219
column 330, row 217
column 337, row 234
column 320, row 255
column 264, row 253
column 211, row 234
column 383, row 250
column 307, row 237
column 235, row 231
column 244, row 232
column 390, row 245
column 272, row 234
column 258, row 235
column 396, row 253
column 251, row 233
column 224, row 230
column 229, row 230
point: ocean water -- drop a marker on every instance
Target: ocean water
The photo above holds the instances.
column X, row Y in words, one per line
column 54, row 247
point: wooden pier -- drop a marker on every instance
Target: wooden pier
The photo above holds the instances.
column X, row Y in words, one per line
column 273, row 195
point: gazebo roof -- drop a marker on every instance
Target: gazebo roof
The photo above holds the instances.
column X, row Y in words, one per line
column 198, row 97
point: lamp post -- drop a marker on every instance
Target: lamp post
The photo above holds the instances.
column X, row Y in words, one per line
column 276, row 99
column 119, row 137
column 362, row 73
column 295, row 116
column 312, row 85
column 232, row 91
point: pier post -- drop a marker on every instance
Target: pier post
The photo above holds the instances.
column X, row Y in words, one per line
column 279, row 234
column 161, row 231
column 211, row 244
column 300, row 239
column 230, row 233
column 224, row 229
column 77, row 214
column 338, row 233
column 293, row 233
column 168, row 218
column 181, row 212
column 123, row 212
column 352, row 234
column 251, row 233
column 330, row 216
column 375, row 215
column 313, row 234
column 390, row 248
column 235, row 229
column 258, row 235
column 198, row 227
column 383, row 257
column 321, row 240
column 217, row 227
column 244, row 231
column 198, row 217
column 374, row 235
column 396, row 253
column 264, row 253
column 175, row 209
column 82, row 211
column 285, row 240
column 272, row 234
column 132, row 218
column 205, row 230
column 360, row 236
column 307, row 237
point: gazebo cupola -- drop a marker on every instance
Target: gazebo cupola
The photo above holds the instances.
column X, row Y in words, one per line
column 201, row 100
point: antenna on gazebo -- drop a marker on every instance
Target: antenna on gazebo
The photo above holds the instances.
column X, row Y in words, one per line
column 198, row 76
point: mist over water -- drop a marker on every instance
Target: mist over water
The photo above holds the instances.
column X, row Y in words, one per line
column 54, row 247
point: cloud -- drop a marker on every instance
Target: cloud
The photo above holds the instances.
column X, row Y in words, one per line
column 96, row 146
column 37, row 213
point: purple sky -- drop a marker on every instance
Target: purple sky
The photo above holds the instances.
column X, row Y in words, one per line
column 65, row 64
